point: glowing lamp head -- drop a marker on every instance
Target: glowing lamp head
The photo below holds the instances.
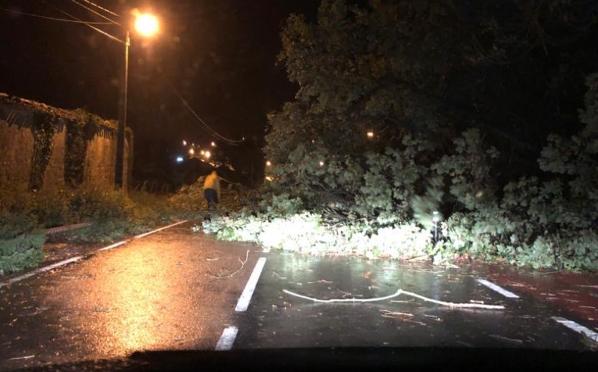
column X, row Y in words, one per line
column 321, row 163
column 213, row 144
column 147, row 24
column 207, row 154
column 269, row 178
column 191, row 152
column 184, row 143
column 370, row 134
column 268, row 163
column 435, row 216
column 179, row 159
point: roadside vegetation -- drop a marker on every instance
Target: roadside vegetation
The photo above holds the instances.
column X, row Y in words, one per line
column 417, row 135
column 25, row 215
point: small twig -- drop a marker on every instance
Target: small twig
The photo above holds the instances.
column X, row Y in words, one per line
column 396, row 294
column 515, row 340
column 394, row 314
column 243, row 262
column 23, row 357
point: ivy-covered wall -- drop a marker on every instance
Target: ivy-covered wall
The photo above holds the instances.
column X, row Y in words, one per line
column 45, row 148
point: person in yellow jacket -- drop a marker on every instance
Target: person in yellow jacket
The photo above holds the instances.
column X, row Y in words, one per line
column 211, row 189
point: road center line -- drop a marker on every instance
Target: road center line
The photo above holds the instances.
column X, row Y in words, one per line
column 577, row 328
column 498, row 289
column 245, row 298
column 227, row 339
column 77, row 258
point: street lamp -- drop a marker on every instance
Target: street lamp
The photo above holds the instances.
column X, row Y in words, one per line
column 146, row 25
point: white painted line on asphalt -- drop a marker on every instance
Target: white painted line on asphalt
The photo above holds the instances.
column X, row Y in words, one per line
column 77, row 258
column 245, row 298
column 577, row 328
column 227, row 339
column 111, row 246
column 158, row 230
column 40, row 270
column 498, row 289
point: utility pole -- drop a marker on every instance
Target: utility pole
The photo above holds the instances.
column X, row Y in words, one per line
column 119, row 167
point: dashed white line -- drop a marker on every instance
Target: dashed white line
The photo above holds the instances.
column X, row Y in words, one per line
column 498, row 289
column 577, row 328
column 245, row 298
column 227, row 339
column 77, row 258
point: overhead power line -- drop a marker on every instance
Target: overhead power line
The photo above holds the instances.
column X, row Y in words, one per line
column 53, row 18
column 92, row 27
column 95, row 12
column 101, row 8
column 210, row 129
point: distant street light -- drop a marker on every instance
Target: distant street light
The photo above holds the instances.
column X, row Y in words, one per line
column 370, row 134
column 179, row 159
column 268, row 163
column 184, row 143
column 213, row 144
column 207, row 154
column 321, row 163
column 146, row 25
column 191, row 152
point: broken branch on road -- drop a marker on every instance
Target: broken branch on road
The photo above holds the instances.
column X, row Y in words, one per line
column 230, row 275
column 396, row 294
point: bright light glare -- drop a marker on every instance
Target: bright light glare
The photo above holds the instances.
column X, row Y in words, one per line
column 184, row 143
column 202, row 152
column 370, row 134
column 191, row 152
column 435, row 216
column 268, row 163
column 208, row 154
column 147, row 24
column 179, row 159
column 213, row 144
column 321, row 163
column 269, row 178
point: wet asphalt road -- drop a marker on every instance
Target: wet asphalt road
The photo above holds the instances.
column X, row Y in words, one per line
column 178, row 290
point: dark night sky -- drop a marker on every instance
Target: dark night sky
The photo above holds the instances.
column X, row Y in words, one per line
column 220, row 54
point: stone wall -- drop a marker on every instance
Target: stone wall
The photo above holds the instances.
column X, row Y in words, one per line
column 21, row 146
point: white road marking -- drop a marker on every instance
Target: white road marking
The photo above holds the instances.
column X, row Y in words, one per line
column 577, row 328
column 111, row 246
column 77, row 258
column 245, row 298
column 227, row 339
column 498, row 289
column 40, row 270
column 158, row 230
